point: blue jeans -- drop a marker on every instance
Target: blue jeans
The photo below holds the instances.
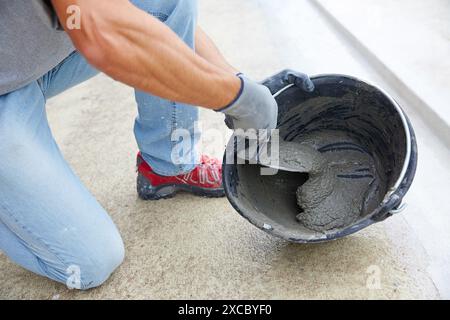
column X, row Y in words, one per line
column 49, row 222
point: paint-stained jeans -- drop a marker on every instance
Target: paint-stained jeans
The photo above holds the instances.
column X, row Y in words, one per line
column 49, row 222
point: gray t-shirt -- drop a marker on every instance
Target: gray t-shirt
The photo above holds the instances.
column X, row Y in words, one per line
column 30, row 42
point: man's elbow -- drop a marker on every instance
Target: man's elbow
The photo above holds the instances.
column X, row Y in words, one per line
column 94, row 54
column 94, row 39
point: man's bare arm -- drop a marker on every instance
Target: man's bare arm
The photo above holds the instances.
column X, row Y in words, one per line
column 206, row 48
column 137, row 49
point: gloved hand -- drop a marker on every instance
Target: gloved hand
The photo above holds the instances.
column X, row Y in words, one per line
column 286, row 77
column 254, row 108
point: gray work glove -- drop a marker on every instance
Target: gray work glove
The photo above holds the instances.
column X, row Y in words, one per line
column 277, row 82
column 254, row 108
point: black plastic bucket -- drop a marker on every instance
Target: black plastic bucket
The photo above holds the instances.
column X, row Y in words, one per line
column 370, row 115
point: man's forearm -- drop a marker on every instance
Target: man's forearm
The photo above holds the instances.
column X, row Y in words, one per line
column 135, row 48
column 206, row 48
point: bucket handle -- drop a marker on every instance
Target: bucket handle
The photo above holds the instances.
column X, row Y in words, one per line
column 399, row 209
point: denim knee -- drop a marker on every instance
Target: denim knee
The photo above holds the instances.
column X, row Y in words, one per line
column 93, row 271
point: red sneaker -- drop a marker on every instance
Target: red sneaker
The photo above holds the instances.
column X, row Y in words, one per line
column 205, row 180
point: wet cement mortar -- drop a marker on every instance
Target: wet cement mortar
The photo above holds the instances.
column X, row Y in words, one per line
column 343, row 180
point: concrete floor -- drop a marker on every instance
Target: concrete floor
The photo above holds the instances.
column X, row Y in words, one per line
column 190, row 247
